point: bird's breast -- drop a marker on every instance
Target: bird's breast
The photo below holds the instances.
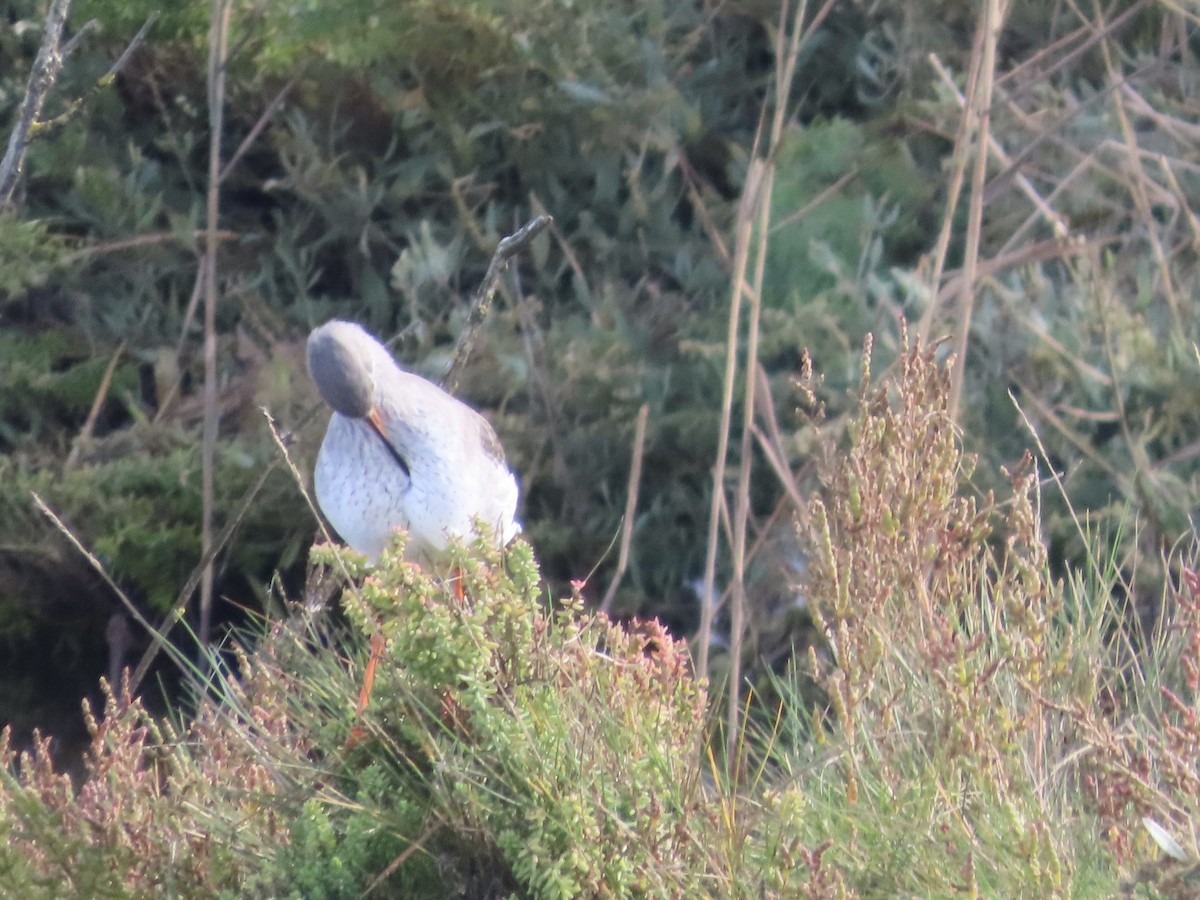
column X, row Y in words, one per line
column 361, row 489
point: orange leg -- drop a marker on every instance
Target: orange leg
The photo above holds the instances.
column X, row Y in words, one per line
column 364, row 695
column 377, row 644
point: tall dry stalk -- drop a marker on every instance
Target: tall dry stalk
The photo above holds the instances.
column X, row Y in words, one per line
column 218, row 54
column 974, row 130
column 787, row 52
column 741, row 255
column 752, row 229
column 979, row 110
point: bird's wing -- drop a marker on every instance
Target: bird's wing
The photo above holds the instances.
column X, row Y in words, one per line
column 490, row 442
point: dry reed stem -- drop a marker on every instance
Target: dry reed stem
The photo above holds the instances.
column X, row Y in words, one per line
column 1058, row 225
column 754, row 214
column 979, row 111
column 741, row 512
column 631, row 499
column 741, row 259
column 790, row 37
column 217, row 57
column 957, row 177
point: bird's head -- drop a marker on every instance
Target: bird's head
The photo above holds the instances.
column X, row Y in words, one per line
column 340, row 362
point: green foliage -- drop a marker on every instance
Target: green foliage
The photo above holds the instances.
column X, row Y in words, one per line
column 568, row 746
column 47, row 381
column 549, row 751
column 139, row 513
column 832, row 253
column 979, row 727
column 29, row 253
column 414, row 135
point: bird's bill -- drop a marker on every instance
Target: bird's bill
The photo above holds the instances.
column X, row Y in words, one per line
column 376, row 423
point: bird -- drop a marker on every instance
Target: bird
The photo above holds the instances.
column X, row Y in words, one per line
column 400, row 452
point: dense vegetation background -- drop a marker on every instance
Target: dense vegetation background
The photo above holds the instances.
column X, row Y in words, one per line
column 378, row 152
column 408, row 140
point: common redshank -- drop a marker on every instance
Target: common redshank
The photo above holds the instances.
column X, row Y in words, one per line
column 400, row 452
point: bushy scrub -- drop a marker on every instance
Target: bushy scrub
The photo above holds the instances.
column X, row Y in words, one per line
column 514, row 745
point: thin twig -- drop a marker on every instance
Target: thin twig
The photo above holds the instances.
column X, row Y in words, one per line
column 825, row 195
column 482, row 301
column 138, row 38
column 95, row 563
column 1028, row 75
column 90, row 26
column 46, row 69
column 104, row 81
column 164, row 402
column 771, row 443
column 392, row 867
column 251, row 136
column 189, row 588
column 140, row 240
column 1057, row 223
column 89, row 424
column 631, row 498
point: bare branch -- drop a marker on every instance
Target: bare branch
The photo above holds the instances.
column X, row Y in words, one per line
column 137, row 41
column 46, row 69
column 41, row 80
column 482, row 301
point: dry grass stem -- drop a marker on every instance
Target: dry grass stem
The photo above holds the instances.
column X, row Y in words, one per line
column 741, row 257
column 1058, row 225
column 954, row 191
column 89, row 425
column 631, row 499
column 218, row 46
column 980, row 111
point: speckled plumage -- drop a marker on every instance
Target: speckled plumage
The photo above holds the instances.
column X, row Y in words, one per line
column 456, row 472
